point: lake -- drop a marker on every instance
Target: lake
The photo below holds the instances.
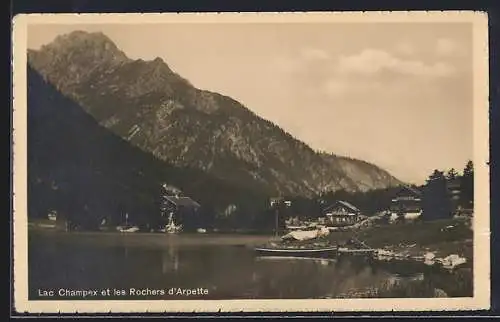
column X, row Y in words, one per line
column 80, row 265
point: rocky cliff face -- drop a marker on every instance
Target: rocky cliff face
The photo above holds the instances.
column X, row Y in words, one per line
column 158, row 111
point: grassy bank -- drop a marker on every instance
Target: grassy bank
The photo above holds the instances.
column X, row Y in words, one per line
column 442, row 237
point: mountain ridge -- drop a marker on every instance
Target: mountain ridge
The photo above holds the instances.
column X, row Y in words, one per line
column 100, row 175
column 157, row 110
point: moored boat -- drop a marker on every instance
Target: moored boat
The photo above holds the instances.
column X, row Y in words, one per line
column 298, row 251
column 309, row 242
column 127, row 229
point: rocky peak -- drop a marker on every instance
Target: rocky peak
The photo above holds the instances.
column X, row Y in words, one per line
column 159, row 67
column 95, row 45
column 72, row 58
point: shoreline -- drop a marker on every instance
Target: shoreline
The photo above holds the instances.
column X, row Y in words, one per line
column 424, row 242
column 142, row 239
column 454, row 282
column 447, row 243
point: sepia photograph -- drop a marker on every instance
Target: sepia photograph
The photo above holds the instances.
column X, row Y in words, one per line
column 184, row 161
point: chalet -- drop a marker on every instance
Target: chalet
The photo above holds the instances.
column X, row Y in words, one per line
column 406, row 203
column 273, row 202
column 52, row 215
column 180, row 204
column 276, row 201
column 341, row 213
column 182, row 209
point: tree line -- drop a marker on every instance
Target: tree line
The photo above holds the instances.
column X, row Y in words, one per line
column 251, row 213
column 437, row 198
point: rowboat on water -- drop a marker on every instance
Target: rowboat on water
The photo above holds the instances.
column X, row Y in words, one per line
column 297, row 251
column 300, row 243
column 127, row 229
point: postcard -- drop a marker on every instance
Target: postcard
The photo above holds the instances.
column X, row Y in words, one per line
column 251, row 162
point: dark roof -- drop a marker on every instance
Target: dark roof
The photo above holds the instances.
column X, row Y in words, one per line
column 345, row 204
column 183, row 201
column 348, row 205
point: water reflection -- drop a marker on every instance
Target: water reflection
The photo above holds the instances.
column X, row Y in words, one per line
column 170, row 260
column 227, row 272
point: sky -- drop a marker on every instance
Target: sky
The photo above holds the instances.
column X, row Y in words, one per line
column 398, row 95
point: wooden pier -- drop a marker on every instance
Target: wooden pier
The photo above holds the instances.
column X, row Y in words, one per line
column 363, row 251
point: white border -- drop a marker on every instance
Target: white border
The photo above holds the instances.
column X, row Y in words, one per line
column 481, row 298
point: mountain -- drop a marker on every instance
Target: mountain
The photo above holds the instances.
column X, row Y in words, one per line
column 161, row 113
column 87, row 173
column 363, row 175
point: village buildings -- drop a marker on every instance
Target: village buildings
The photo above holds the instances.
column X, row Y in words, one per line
column 341, row 213
column 407, row 203
column 276, row 201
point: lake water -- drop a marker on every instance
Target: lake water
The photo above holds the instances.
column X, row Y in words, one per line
column 157, row 266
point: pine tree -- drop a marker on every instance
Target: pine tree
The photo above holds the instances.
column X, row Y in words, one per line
column 452, row 174
column 467, row 186
column 435, row 200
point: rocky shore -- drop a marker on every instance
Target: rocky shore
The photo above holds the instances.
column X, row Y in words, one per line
column 444, row 243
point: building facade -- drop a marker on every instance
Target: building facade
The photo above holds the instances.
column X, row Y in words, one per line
column 341, row 213
column 278, row 201
column 181, row 209
column 407, row 203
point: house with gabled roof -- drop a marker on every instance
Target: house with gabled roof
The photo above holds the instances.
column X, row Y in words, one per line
column 178, row 202
column 407, row 202
column 341, row 213
column 182, row 209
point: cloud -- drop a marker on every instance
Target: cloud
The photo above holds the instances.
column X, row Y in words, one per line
column 354, row 89
column 302, row 60
column 405, row 48
column 374, row 61
column 446, row 47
